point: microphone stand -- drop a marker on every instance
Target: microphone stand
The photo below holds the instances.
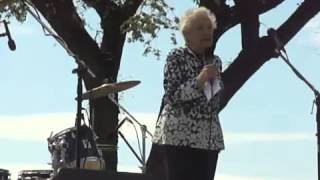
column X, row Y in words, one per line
column 11, row 43
column 316, row 101
column 80, row 70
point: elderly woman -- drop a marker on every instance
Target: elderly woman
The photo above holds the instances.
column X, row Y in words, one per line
column 188, row 136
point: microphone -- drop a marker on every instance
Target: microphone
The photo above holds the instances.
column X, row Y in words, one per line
column 274, row 35
column 11, row 43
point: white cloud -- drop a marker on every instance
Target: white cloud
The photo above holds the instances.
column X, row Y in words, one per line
column 38, row 127
column 262, row 137
column 19, row 128
column 34, row 127
column 231, row 137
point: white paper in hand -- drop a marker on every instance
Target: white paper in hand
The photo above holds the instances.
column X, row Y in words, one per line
column 211, row 91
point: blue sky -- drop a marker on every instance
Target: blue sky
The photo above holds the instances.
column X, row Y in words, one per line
column 269, row 131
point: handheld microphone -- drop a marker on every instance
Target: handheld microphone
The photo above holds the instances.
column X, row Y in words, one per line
column 274, row 35
column 11, row 43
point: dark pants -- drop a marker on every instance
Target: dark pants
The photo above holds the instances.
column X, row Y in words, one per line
column 181, row 163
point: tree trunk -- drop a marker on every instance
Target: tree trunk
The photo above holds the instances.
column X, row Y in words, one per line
column 104, row 61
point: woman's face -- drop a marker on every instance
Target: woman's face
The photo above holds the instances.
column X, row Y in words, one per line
column 199, row 33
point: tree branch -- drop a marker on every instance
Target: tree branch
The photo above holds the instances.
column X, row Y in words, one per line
column 216, row 6
column 266, row 5
column 306, row 11
column 102, row 7
column 63, row 18
column 245, row 65
column 113, row 37
column 249, row 18
column 229, row 17
column 130, row 8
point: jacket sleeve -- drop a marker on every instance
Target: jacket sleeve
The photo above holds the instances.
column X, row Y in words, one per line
column 177, row 88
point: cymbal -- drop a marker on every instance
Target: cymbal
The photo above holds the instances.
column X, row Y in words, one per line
column 108, row 88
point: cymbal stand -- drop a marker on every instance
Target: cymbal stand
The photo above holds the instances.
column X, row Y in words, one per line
column 144, row 132
column 80, row 70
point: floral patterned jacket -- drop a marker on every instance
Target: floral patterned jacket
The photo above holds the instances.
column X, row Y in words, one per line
column 188, row 118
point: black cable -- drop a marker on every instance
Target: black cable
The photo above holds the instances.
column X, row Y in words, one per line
column 298, row 74
column 38, row 15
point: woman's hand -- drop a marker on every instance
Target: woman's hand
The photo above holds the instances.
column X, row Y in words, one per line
column 208, row 72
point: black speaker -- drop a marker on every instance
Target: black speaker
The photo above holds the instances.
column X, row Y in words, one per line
column 84, row 174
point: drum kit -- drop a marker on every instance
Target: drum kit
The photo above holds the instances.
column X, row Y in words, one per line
column 76, row 147
column 62, row 146
column 4, row 174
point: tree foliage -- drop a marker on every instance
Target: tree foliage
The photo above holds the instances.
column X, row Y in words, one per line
column 151, row 17
column 12, row 8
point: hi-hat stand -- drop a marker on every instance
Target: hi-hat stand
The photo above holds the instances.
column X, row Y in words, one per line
column 144, row 132
column 80, row 70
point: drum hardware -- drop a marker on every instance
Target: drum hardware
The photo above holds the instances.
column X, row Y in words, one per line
column 108, row 88
column 144, row 133
column 35, row 174
column 62, row 148
column 80, row 70
column 64, row 144
column 107, row 147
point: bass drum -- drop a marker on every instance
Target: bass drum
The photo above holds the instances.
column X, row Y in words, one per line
column 62, row 147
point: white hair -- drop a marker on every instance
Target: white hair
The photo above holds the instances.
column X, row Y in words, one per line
column 186, row 19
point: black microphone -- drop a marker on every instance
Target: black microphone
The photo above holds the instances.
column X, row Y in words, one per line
column 279, row 45
column 11, row 44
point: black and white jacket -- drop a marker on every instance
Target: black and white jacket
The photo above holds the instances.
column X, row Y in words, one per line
column 188, row 118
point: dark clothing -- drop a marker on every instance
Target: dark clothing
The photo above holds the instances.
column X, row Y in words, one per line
column 181, row 163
